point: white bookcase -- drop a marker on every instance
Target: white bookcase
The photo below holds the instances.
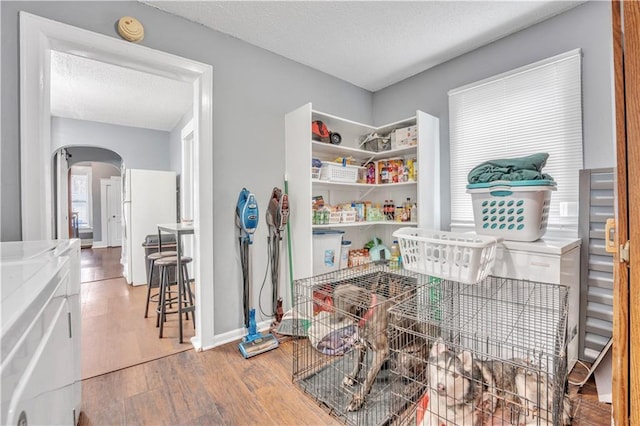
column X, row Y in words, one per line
column 300, row 149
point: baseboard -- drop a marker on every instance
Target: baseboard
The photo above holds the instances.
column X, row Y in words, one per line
column 99, row 244
column 236, row 335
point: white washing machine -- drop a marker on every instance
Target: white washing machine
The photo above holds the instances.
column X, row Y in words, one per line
column 40, row 368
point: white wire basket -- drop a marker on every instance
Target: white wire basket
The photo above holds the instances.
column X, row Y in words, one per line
column 336, row 172
column 464, row 258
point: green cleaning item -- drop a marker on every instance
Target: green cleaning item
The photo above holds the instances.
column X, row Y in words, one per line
column 292, row 323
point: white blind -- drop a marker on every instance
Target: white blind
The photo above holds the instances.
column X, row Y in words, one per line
column 536, row 108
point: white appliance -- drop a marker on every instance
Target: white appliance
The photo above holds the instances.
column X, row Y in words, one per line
column 149, row 198
column 553, row 260
column 40, row 371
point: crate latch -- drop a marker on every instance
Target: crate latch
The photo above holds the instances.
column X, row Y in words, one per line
column 610, row 236
column 624, row 252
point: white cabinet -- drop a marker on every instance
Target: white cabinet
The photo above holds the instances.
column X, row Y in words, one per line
column 40, row 329
column 301, row 149
column 548, row 260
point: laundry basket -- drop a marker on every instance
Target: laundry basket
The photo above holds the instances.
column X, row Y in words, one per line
column 466, row 258
column 513, row 210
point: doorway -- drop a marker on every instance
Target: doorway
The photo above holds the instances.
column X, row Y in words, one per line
column 38, row 36
column 111, row 210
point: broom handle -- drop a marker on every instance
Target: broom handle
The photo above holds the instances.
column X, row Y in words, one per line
column 286, row 191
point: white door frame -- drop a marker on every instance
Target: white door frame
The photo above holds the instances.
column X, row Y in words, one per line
column 38, row 36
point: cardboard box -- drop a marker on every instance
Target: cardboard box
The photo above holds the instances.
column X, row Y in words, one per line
column 406, row 136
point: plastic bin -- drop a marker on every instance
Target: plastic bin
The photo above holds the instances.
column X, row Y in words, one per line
column 326, row 250
column 150, row 245
column 465, row 258
column 336, row 172
column 344, row 254
column 513, row 210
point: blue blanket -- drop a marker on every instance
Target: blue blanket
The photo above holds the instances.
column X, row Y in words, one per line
column 521, row 168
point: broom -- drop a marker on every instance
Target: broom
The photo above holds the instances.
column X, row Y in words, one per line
column 292, row 324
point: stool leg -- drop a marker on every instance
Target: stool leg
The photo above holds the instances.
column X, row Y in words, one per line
column 163, row 296
column 187, row 290
column 184, row 301
column 160, row 295
column 146, row 309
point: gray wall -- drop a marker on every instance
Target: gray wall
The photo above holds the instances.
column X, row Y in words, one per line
column 253, row 89
column 588, row 27
column 139, row 148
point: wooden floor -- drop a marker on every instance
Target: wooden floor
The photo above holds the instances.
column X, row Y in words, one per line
column 159, row 382
column 115, row 333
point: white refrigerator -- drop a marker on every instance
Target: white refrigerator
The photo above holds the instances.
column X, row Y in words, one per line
column 149, row 198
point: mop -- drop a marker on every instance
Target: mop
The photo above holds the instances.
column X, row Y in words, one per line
column 254, row 343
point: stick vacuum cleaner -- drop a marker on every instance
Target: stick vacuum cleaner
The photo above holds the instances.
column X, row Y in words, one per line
column 253, row 343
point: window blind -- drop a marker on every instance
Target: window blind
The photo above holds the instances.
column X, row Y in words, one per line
column 535, row 108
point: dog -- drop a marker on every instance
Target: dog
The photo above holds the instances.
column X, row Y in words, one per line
column 467, row 391
column 368, row 308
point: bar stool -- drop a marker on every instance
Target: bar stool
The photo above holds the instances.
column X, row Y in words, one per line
column 168, row 296
column 151, row 259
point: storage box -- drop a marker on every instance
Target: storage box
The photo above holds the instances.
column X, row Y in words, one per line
column 327, row 244
column 315, row 172
column 378, row 144
column 513, row 210
column 336, row 172
column 348, row 216
column 464, row 258
column 404, row 137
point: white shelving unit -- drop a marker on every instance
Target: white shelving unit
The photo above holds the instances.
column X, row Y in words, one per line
column 300, row 149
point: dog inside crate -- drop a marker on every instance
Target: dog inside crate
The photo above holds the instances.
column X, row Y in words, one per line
column 493, row 353
column 345, row 364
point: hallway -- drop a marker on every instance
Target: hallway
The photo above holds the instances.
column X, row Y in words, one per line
column 115, row 334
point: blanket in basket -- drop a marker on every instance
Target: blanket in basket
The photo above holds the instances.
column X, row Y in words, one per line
column 520, row 168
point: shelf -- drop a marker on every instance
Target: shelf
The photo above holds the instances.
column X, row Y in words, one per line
column 357, row 224
column 300, row 150
column 345, row 151
column 346, row 185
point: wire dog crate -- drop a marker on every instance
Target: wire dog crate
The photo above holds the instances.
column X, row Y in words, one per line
column 348, row 313
column 491, row 353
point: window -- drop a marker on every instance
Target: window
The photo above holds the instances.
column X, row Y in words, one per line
column 536, row 108
column 81, row 195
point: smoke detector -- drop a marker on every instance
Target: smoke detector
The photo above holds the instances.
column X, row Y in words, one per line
column 130, row 29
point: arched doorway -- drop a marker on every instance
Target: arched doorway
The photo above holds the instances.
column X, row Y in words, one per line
column 88, row 195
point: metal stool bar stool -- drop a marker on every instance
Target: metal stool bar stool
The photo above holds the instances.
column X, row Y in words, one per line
column 166, row 294
column 151, row 259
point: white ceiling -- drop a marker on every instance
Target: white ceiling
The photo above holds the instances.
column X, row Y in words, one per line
column 86, row 89
column 371, row 44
